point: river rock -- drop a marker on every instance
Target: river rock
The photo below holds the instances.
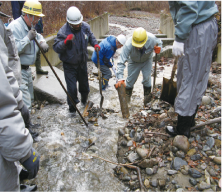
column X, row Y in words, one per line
column 138, row 137
column 203, row 185
column 181, row 142
column 162, row 183
column 154, row 183
column 203, row 166
column 124, row 170
column 191, row 152
column 148, row 163
column 149, row 171
column 178, row 162
column 195, row 157
column 171, row 172
column 142, row 152
column 129, row 143
column 217, row 160
column 132, row 133
column 206, row 148
column 147, row 183
column 212, row 172
column 210, row 142
column 180, row 154
column 192, row 181
column 206, row 100
column 217, row 143
column 163, row 116
column 121, row 132
column 180, row 190
column 132, row 157
column 194, row 173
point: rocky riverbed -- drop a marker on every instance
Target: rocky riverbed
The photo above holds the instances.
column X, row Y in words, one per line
column 142, row 145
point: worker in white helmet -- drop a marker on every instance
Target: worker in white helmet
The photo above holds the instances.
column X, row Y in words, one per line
column 71, row 45
column 108, row 48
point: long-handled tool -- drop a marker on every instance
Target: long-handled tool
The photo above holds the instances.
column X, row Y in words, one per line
column 100, row 81
column 70, row 98
column 169, row 87
column 154, row 76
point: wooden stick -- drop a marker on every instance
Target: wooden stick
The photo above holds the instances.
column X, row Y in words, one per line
column 216, row 120
column 126, row 165
column 157, row 133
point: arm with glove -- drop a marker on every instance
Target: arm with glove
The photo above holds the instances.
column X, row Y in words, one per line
column 158, row 46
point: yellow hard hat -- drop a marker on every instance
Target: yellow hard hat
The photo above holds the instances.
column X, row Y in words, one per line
column 139, row 37
column 33, row 7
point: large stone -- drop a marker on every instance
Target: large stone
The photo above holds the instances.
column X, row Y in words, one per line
column 203, row 186
column 181, row 142
column 142, row 152
column 178, row 162
column 205, row 100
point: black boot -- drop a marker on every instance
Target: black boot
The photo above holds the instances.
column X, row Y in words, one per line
column 23, row 175
column 33, row 134
column 84, row 99
column 128, row 95
column 184, row 125
column 147, row 95
column 72, row 110
column 27, row 188
column 193, row 117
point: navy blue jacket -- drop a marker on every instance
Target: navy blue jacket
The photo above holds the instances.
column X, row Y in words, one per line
column 78, row 53
column 17, row 8
column 17, row 12
column 107, row 50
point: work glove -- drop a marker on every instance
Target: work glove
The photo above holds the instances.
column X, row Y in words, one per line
column 32, row 34
column 119, row 83
column 44, row 46
column 32, row 164
column 96, row 46
column 157, row 49
column 178, row 49
column 68, row 41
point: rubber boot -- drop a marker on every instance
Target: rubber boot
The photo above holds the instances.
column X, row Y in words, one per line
column 104, row 83
column 27, row 188
column 23, row 175
column 84, row 99
column 193, row 117
column 128, row 94
column 184, row 125
column 39, row 70
column 72, row 110
column 147, row 95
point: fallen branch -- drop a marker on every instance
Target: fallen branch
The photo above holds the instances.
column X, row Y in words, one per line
column 216, row 120
column 126, row 165
column 157, row 133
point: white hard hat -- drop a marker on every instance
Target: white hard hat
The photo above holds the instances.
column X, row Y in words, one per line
column 74, row 16
column 122, row 39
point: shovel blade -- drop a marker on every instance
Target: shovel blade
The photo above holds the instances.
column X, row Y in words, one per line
column 169, row 91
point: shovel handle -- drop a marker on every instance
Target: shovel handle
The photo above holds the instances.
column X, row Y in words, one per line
column 174, row 68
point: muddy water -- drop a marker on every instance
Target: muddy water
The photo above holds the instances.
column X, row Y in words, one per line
column 65, row 165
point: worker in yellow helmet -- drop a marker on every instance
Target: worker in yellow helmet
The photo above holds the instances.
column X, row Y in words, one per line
column 138, row 52
column 24, row 33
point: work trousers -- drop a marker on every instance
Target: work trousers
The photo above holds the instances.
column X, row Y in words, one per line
column 134, row 71
column 74, row 74
column 194, row 67
column 27, row 88
column 106, row 72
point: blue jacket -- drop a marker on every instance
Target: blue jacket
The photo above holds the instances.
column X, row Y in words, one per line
column 107, row 50
column 78, row 54
column 185, row 14
column 17, row 8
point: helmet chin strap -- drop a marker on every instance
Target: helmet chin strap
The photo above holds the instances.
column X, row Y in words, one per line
column 31, row 21
column 73, row 28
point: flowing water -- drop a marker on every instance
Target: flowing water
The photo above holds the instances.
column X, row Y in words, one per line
column 65, row 165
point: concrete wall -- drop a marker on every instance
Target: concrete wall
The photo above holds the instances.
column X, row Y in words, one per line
column 167, row 25
column 99, row 26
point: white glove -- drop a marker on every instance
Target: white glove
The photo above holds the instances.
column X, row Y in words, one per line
column 114, row 69
column 32, row 34
column 44, row 46
column 178, row 49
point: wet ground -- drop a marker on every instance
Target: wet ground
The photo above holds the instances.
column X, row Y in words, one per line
column 68, row 165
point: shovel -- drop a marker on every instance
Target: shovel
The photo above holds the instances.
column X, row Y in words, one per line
column 100, row 81
column 169, row 87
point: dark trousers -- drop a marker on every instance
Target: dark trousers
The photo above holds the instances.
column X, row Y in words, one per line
column 74, row 74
